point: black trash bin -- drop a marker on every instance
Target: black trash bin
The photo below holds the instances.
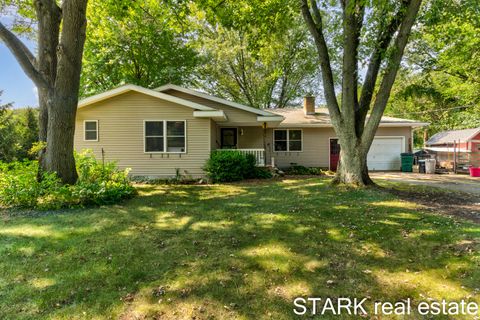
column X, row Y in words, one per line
column 421, row 166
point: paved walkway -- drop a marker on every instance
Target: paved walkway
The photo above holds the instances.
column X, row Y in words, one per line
column 455, row 182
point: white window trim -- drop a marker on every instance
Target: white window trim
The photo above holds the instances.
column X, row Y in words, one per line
column 288, row 140
column 85, row 131
column 164, row 136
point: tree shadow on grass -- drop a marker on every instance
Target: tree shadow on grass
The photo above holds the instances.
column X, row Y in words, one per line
column 232, row 251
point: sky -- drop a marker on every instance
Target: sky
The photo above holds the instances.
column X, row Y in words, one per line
column 16, row 86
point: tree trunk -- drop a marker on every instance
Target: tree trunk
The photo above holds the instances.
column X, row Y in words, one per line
column 61, row 128
column 352, row 168
column 42, row 130
column 63, row 99
column 56, row 73
column 354, row 129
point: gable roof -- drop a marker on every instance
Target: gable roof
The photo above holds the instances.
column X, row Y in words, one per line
column 131, row 87
column 453, row 135
column 216, row 99
column 321, row 118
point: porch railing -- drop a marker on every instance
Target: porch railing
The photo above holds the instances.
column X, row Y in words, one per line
column 258, row 153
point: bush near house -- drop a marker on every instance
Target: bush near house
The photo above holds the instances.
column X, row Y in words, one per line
column 227, row 166
column 97, row 184
column 304, row 171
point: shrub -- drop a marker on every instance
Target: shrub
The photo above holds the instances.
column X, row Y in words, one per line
column 100, row 183
column 226, row 166
column 302, row 171
column 263, row 173
column 97, row 184
column 250, row 166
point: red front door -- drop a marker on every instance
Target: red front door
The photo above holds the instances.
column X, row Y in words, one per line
column 334, row 154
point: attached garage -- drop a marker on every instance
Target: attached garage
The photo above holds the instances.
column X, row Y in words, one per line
column 385, row 153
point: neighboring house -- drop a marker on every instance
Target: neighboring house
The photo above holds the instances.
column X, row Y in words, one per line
column 171, row 129
column 460, row 146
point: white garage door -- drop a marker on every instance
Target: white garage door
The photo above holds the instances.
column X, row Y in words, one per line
column 384, row 153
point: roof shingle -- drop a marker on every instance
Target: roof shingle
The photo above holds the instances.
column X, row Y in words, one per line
column 453, row 135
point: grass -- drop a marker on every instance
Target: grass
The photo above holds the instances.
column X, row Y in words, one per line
column 237, row 251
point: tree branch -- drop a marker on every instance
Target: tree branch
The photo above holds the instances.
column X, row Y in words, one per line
column 384, row 38
column 314, row 25
column 391, row 72
column 23, row 56
column 352, row 16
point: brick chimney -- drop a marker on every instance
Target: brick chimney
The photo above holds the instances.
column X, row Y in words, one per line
column 309, row 105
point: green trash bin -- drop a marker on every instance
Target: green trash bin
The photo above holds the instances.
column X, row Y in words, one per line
column 407, row 162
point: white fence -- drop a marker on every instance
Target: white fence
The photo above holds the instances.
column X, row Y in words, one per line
column 258, row 153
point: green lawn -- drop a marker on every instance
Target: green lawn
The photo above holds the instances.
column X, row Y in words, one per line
column 231, row 251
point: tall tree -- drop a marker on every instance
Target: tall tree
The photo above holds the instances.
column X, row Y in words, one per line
column 8, row 137
column 442, row 68
column 27, row 131
column 142, row 42
column 56, row 73
column 257, row 52
column 267, row 75
column 384, row 28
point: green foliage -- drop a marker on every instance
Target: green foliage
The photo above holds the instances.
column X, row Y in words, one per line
column 262, row 173
column 255, row 63
column 19, row 186
column 227, row 166
column 262, row 59
column 141, row 42
column 97, row 184
column 303, row 171
column 424, row 97
column 440, row 83
column 18, row 132
column 27, row 130
column 8, row 138
column 100, row 183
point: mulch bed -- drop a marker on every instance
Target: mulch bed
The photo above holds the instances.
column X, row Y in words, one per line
column 455, row 204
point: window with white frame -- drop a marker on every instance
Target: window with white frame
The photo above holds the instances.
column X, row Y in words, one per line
column 91, row 130
column 165, row 136
column 287, row 140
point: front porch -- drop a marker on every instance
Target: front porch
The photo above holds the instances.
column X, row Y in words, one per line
column 245, row 139
column 258, row 153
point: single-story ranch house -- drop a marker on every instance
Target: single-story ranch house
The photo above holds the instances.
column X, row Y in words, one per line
column 172, row 129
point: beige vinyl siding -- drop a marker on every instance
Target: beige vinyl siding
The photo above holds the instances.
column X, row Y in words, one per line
column 316, row 147
column 234, row 115
column 252, row 137
column 121, row 135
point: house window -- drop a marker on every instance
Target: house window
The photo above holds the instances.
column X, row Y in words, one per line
column 91, row 130
column 165, row 136
column 175, row 136
column 287, row 140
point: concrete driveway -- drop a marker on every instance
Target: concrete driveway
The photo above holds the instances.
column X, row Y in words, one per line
column 453, row 182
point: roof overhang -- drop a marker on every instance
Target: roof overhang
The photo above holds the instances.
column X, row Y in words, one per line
column 446, row 149
column 217, row 115
column 404, row 124
column 215, row 99
column 130, row 87
column 329, row 125
column 270, row 118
